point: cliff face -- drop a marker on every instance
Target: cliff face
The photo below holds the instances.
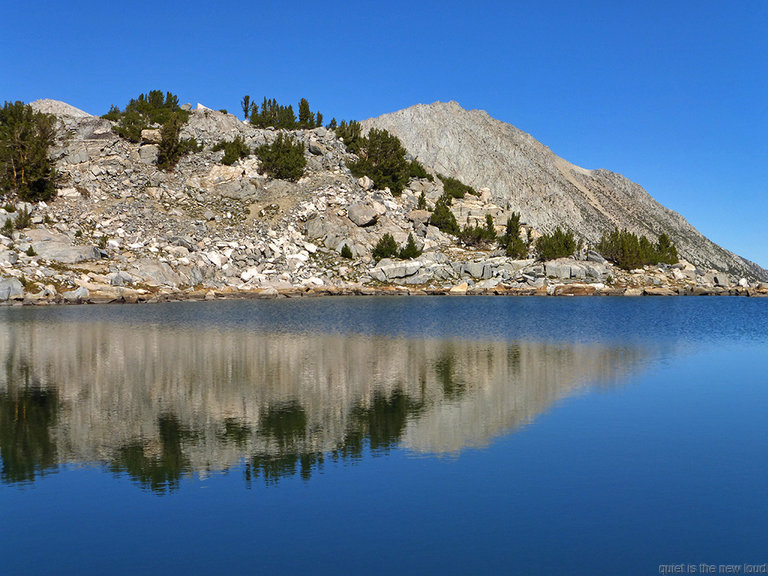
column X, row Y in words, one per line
column 526, row 176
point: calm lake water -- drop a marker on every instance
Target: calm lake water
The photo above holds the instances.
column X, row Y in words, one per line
column 384, row 436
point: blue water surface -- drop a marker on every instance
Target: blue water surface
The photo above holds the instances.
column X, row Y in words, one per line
column 487, row 436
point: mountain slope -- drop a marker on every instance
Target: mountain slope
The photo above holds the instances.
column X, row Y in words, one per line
column 526, row 176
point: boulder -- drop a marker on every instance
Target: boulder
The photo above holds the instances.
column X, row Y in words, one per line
column 387, row 270
column 459, row 289
column 8, row 257
column 365, row 183
column 81, row 294
column 11, row 289
column 659, row 291
column 721, row 279
column 148, row 153
column 156, row 273
column 557, row 269
column 64, row 252
column 474, row 269
column 151, row 136
column 419, row 216
column 575, row 290
column 593, row 256
column 362, row 214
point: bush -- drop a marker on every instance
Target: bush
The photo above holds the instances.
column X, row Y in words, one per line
column 409, row 250
column 351, row 134
column 283, row 159
column 422, row 202
column 233, row 151
column 478, row 235
column 442, row 217
column 456, row 188
column 7, row 229
column 382, row 159
column 273, row 115
column 417, row 170
column 25, row 138
column 146, row 110
column 559, row 244
column 346, row 252
column 23, row 220
column 386, row 247
column 629, row 251
column 172, row 147
column 513, row 245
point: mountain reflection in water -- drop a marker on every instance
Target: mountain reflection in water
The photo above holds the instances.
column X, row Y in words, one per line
column 160, row 403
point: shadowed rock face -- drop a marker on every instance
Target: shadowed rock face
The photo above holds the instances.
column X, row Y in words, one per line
column 157, row 403
column 548, row 191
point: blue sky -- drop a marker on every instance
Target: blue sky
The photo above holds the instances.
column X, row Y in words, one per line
column 673, row 95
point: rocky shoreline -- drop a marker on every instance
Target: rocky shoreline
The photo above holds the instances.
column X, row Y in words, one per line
column 121, row 230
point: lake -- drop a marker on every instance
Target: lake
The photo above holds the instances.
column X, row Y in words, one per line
column 385, row 435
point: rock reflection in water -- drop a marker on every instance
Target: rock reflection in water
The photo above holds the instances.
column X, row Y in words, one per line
column 159, row 403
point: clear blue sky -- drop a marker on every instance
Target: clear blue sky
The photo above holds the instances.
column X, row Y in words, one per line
column 673, row 95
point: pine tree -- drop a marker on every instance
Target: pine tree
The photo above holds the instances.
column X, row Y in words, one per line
column 25, row 137
column 305, row 115
column 382, row 159
column 283, row 159
column 246, row 106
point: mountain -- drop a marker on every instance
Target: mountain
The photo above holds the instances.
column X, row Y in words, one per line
column 548, row 191
column 121, row 229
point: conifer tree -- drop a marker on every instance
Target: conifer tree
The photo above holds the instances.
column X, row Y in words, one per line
column 305, row 115
column 382, row 159
column 245, row 104
column 25, row 137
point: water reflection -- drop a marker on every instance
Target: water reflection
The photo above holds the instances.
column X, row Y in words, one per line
column 160, row 403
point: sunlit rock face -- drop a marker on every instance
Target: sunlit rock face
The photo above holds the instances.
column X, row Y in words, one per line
column 526, row 176
column 159, row 402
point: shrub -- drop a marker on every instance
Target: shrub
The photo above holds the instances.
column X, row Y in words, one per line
column 351, row 134
column 478, row 235
column 382, row 159
column 422, row 203
column 409, row 250
column 417, row 170
column 456, row 188
column 146, row 110
column 559, row 244
column 386, row 247
column 629, row 251
column 23, row 220
column 233, row 151
column 172, row 147
column 25, row 138
column 346, row 252
column 513, row 245
column 273, row 115
column 442, row 217
column 283, row 159
column 7, row 229
column 30, row 251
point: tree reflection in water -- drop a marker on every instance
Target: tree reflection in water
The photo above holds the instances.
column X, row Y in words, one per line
column 157, row 404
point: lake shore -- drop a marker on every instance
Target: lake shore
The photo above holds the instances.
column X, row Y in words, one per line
column 86, row 294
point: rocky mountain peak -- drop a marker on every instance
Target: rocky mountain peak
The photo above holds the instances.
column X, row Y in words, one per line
column 525, row 176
